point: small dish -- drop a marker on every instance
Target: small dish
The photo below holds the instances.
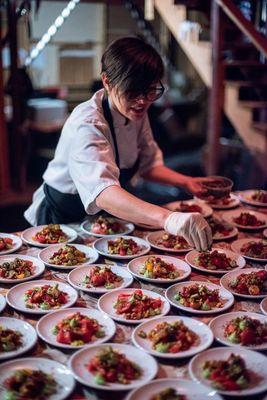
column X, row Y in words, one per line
column 77, row 276
column 216, row 186
column 238, row 244
column 181, row 267
column 203, row 332
column 106, row 302
column 61, row 374
column 222, row 230
column 101, row 245
column 2, row 302
column 80, row 359
column 28, row 234
column 255, row 362
column 218, row 324
column 230, row 216
column 15, row 296
column 28, row 338
column 90, row 253
column 37, row 265
column 46, row 324
column 224, row 204
column 153, row 239
column 246, row 196
column 263, row 306
column 191, row 390
column 16, row 243
column 190, row 206
column 233, row 275
column 191, row 258
column 226, row 297
column 126, row 227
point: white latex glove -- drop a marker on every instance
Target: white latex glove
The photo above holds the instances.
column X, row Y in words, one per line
column 192, row 226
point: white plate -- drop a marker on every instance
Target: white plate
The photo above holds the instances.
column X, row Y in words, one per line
column 218, row 324
column 15, row 295
column 17, row 243
column 263, row 306
column 127, row 227
column 190, row 258
column 38, row 265
column 191, row 390
column 48, row 322
column 232, row 275
column 245, row 197
column 79, row 361
column 105, row 304
column 28, row 338
column 90, row 253
column 233, row 231
column 230, row 215
column 181, row 267
column 237, row 244
column 77, row 276
column 101, row 245
column 227, row 297
column 205, row 336
column 153, row 238
column 61, row 374
column 29, row 233
column 206, row 210
column 255, row 362
column 2, row 302
column 218, row 205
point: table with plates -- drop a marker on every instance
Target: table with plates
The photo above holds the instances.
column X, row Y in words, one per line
column 168, row 368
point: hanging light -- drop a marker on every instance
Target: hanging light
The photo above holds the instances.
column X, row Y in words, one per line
column 52, row 30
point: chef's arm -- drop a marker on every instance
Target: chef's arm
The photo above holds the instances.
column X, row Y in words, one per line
column 122, row 204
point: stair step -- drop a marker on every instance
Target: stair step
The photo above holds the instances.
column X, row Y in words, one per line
column 261, row 126
column 253, row 104
column 245, row 64
column 244, row 83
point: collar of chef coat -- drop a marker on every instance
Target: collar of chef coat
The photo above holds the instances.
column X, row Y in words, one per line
column 118, row 119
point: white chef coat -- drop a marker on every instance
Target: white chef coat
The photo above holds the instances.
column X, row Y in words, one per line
column 84, row 159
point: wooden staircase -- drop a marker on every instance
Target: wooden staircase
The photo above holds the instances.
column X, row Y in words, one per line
column 245, row 83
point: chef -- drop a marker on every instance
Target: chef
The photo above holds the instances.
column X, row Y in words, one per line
column 105, row 142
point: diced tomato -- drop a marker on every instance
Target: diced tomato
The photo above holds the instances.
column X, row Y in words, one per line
column 247, row 336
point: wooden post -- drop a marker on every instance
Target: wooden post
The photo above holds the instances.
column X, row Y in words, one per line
column 216, row 98
column 4, row 152
column 18, row 167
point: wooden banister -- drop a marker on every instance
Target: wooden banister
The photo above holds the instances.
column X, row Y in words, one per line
column 233, row 12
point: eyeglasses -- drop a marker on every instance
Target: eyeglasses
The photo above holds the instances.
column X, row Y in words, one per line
column 153, row 93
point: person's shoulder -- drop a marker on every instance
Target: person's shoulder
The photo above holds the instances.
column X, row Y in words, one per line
column 89, row 112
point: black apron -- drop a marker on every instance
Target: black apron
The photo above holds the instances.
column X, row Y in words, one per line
column 65, row 208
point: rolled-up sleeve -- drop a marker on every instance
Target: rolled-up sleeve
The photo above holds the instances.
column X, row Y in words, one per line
column 149, row 152
column 91, row 165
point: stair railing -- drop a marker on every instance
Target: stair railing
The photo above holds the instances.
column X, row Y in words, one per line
column 244, row 25
column 216, row 99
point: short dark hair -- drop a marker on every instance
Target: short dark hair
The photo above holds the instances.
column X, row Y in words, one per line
column 132, row 65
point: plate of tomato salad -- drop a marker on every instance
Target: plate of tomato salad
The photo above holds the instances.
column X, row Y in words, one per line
column 46, row 235
column 9, row 243
column 113, row 367
column 76, row 327
column 41, row 296
column 133, row 305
